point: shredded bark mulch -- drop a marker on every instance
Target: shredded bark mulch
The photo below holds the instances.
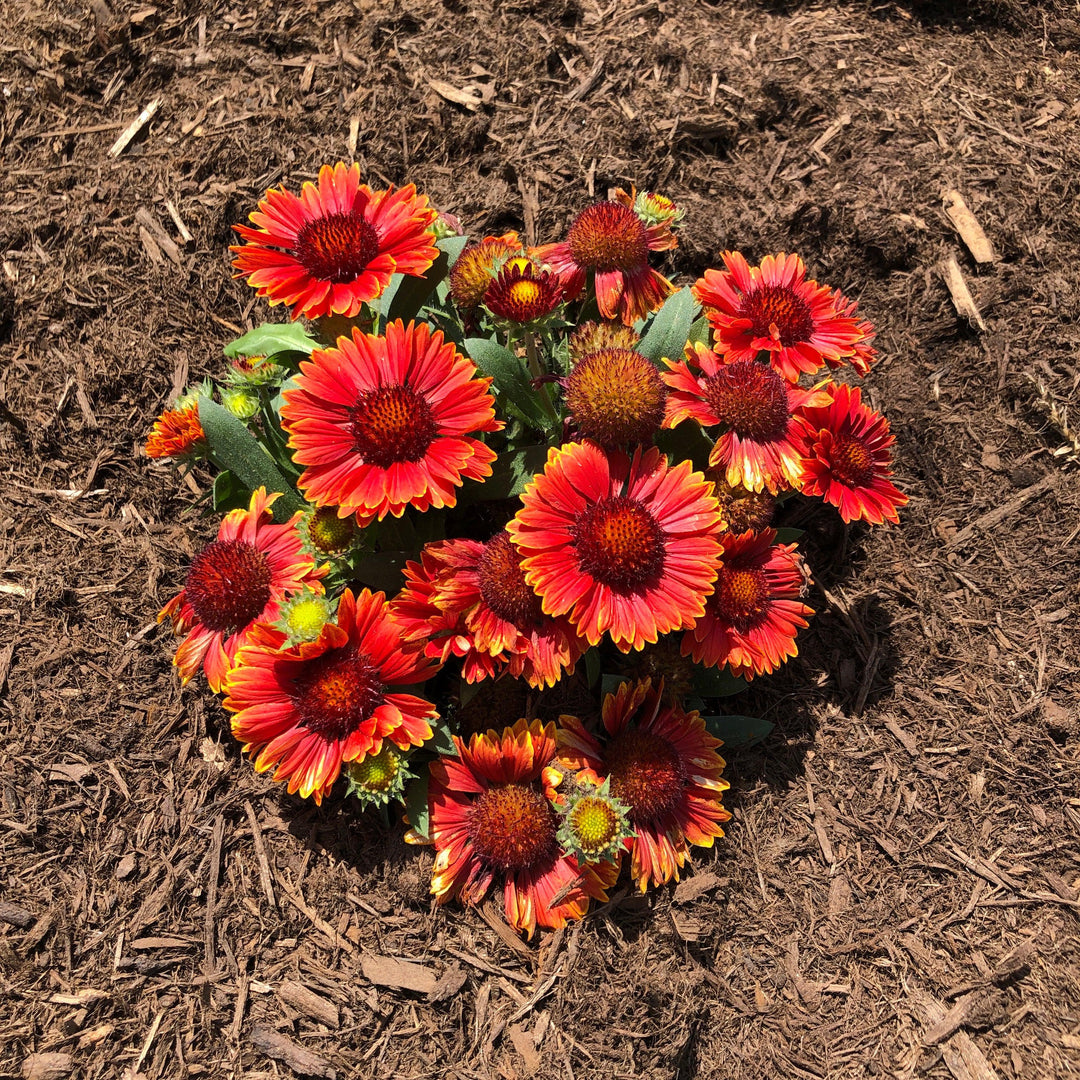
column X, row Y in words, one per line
column 899, row 891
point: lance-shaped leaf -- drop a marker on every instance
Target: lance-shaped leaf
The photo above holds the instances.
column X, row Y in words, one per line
column 716, row 682
column 237, row 450
column 738, row 731
column 670, row 328
column 512, row 381
column 509, row 475
column 271, row 339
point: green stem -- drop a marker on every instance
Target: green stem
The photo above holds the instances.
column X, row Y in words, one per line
column 538, row 370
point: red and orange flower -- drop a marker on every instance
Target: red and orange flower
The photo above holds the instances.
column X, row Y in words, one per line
column 751, row 620
column 611, row 242
column 241, row 578
column 491, row 819
column 759, row 446
column 477, row 266
column 178, row 434
column 627, row 547
column 307, row 709
column 522, row 292
column 849, row 458
column 479, row 592
column 382, row 423
column 336, row 245
column 663, row 765
column 773, row 308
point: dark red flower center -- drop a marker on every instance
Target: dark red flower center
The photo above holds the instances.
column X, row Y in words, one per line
column 852, row 461
column 337, row 247
column 513, row 827
column 616, row 396
column 749, row 398
column 619, row 543
column 337, row 692
column 778, row 312
column 646, row 773
column 503, row 585
column 391, row 424
column 228, row 584
column 741, row 597
column 608, row 236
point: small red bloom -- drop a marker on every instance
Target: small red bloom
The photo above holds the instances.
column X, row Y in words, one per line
column 773, row 308
column 490, row 818
column 239, row 579
column 482, row 588
column 751, row 620
column 178, row 434
column 611, row 241
column 849, row 458
column 663, row 765
column 306, row 710
column 335, row 246
column 382, row 423
column 759, row 445
column 522, row 293
column 624, row 546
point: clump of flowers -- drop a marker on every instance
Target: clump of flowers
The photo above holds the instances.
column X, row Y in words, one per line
column 474, row 483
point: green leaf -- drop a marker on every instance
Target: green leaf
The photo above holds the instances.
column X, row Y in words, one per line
column 700, row 332
column 441, row 741
column 406, row 293
column 738, row 731
column 228, row 493
column 716, row 682
column 687, row 441
column 789, row 536
column 237, row 450
column 667, row 334
column 272, row 338
column 610, row 683
column 416, row 805
column 510, row 474
column 512, row 381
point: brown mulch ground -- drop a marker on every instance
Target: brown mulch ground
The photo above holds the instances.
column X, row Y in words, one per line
column 904, row 846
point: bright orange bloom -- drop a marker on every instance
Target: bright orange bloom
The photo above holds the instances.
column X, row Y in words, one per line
column 627, row 547
column 663, row 765
column 381, row 423
column 759, row 445
column 773, row 308
column 477, row 266
column 490, row 818
column 482, row 589
column 241, row 578
column 751, row 620
column 335, row 246
column 849, row 458
column 178, row 434
column 307, row 709
column 610, row 241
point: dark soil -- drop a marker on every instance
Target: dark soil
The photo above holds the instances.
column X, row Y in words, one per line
column 904, row 844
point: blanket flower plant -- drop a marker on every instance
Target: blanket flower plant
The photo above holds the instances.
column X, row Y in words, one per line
column 474, row 480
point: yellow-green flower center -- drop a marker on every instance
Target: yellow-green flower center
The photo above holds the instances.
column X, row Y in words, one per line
column 306, row 617
column 376, row 773
column 594, row 823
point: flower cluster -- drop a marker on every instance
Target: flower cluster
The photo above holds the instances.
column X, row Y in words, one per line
column 471, row 482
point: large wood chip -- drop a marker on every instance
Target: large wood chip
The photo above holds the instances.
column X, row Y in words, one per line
column 960, row 293
column 295, row 1056
column 15, row 915
column 300, row 998
column 47, row 1066
column 963, row 1058
column 966, row 224
column 450, row 982
column 698, row 885
column 399, row 974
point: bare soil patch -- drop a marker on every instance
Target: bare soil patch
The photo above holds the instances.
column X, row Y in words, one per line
column 898, row 893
